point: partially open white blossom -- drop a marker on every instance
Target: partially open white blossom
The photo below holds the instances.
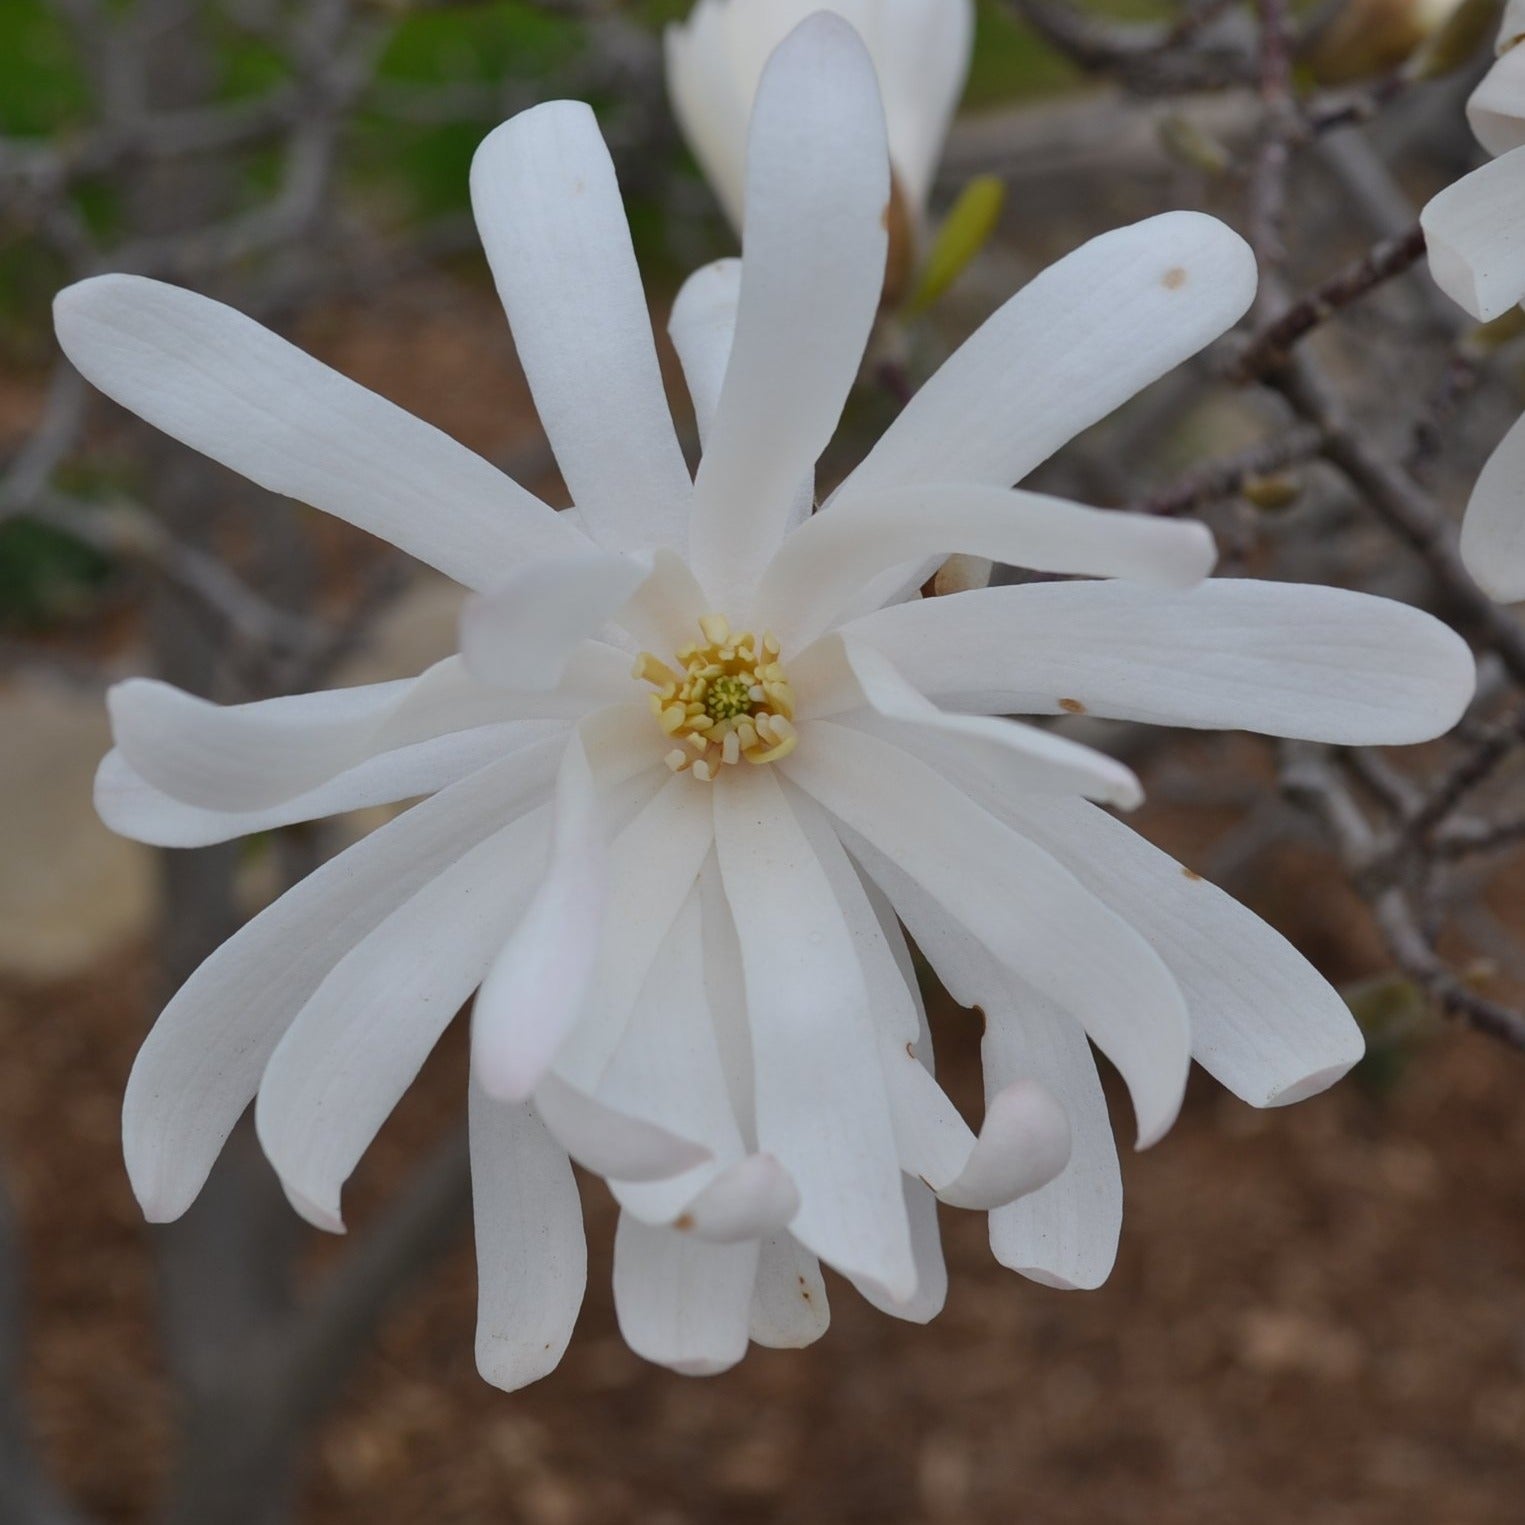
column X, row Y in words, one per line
column 703, row 752
column 920, row 48
column 1475, row 233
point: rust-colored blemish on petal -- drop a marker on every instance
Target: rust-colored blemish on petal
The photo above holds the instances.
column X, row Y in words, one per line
column 683, row 1222
column 1191, row 873
column 1072, row 707
column 1174, row 278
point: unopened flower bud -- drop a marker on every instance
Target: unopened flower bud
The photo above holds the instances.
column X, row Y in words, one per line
column 1186, row 141
column 1370, row 37
column 1272, row 492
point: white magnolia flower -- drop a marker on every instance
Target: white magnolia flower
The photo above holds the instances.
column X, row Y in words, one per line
column 921, row 50
column 1475, row 233
column 678, row 891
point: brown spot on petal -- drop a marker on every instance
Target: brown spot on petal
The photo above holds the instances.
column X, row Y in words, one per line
column 1191, row 873
column 1174, row 278
column 683, row 1222
column 910, row 1048
column 1072, row 707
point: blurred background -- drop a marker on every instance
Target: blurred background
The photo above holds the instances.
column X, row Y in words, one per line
column 1317, row 1311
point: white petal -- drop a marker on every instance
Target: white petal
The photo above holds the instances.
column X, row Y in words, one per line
column 1022, row 1145
column 1074, row 344
column 608, row 1142
column 359, row 1043
column 812, row 267
column 523, row 634
column 248, row 757
column 926, row 1302
column 821, row 1105
column 682, row 1302
column 824, row 564
column 1064, row 1234
column 532, row 1260
column 653, row 864
column 1493, row 530
column 535, row 986
column 220, row 383
column 1011, row 755
column 132, row 807
column 548, row 209
column 1496, row 109
column 1475, row 233
column 1264, row 1021
column 755, row 1197
column 789, row 1307
column 1032, row 913
column 702, row 326
column 202, row 1062
column 1285, row 659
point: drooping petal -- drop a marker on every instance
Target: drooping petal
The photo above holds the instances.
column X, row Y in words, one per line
column 359, row 1043
column 1028, row 910
column 1284, row 659
column 523, row 634
column 1064, row 1234
column 1023, row 1143
column 821, row 1105
column 789, row 1307
column 200, row 1066
column 812, row 268
column 824, row 564
column 1264, row 1022
column 1475, row 233
column 1493, row 529
column 682, row 1302
column 248, row 757
column 532, row 1260
column 132, row 807
column 653, row 864
column 1074, row 344
column 926, row 1302
column 548, row 208
column 220, row 383
column 1011, row 755
column 611, row 1143
column 537, row 981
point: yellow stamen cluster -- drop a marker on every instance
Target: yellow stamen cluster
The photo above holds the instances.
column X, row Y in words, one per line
column 730, row 700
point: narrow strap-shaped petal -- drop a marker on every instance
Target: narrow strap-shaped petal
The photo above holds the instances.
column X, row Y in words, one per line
column 523, row 634
column 220, row 383
column 1023, row 1143
column 548, row 208
column 653, row 864
column 247, row 757
column 1031, row 912
column 812, row 267
column 1493, row 529
column 1064, row 1234
column 1496, row 109
column 823, row 565
column 532, row 1259
column 926, row 1302
column 703, row 327
column 132, row 807
column 358, row 1044
column 1264, row 1021
column 200, row 1066
column 609, row 1142
column 682, row 1302
column 1475, row 233
column 789, row 1306
column 1010, row 754
column 1284, row 659
column 822, row 1111
column 1075, row 343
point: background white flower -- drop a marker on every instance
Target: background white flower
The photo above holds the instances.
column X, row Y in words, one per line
column 698, row 988
column 1475, row 232
column 920, row 48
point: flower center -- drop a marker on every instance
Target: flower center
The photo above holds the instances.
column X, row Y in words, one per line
column 727, row 699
